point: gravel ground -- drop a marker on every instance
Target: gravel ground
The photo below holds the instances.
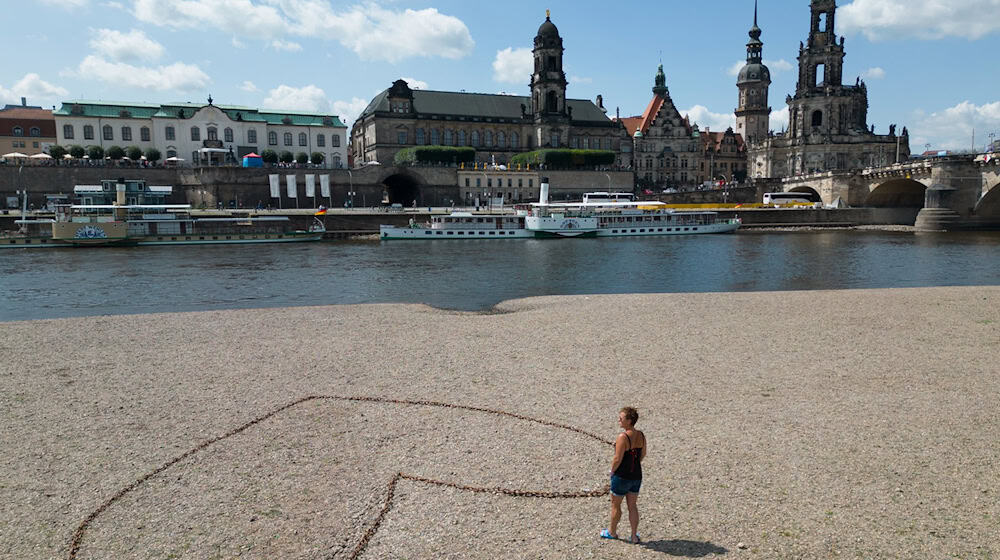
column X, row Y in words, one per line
column 854, row 424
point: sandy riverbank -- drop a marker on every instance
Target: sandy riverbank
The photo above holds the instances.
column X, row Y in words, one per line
column 798, row 425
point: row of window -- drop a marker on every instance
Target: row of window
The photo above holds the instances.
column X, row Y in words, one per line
column 451, row 138
column 21, row 144
column 510, row 182
column 588, row 143
column 212, row 133
column 33, row 131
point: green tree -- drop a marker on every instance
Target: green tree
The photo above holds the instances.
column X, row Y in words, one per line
column 286, row 157
column 317, row 158
column 152, row 155
column 116, row 152
column 95, row 152
column 269, row 156
column 133, row 153
column 301, row 157
column 77, row 151
column 57, row 152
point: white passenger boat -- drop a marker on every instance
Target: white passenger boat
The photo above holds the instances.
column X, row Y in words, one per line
column 596, row 216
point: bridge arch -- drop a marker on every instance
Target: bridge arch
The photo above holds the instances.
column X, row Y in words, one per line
column 897, row 193
column 989, row 205
column 813, row 193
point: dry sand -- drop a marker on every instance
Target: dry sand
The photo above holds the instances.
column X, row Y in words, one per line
column 855, row 424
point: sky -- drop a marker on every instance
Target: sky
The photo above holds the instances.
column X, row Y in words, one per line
column 930, row 65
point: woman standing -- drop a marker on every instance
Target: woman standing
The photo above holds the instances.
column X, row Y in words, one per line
column 626, row 473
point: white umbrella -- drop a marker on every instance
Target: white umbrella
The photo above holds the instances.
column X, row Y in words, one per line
column 15, row 155
column 67, row 156
column 40, row 156
column 175, row 158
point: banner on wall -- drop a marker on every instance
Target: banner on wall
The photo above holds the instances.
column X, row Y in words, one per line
column 324, row 185
column 311, row 186
column 293, row 188
column 275, row 186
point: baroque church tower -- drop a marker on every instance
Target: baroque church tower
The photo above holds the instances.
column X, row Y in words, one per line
column 753, row 114
column 548, row 87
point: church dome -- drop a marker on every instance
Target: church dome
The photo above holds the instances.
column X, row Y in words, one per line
column 548, row 29
column 754, row 72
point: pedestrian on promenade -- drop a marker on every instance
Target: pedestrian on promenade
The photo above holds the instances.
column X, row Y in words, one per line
column 626, row 474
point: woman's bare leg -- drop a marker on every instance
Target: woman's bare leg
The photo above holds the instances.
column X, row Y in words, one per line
column 633, row 513
column 616, row 514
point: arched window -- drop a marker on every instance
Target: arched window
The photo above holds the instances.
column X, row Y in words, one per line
column 252, row 136
column 88, row 132
column 18, row 131
column 488, row 139
column 551, row 102
column 144, row 134
column 449, row 138
column 586, row 143
column 554, row 140
column 303, row 139
column 213, row 133
column 171, row 153
column 817, row 118
column 108, row 132
column 461, row 137
column 321, row 140
column 195, row 134
column 501, row 140
column 435, row 137
column 420, row 136
column 169, row 132
column 272, row 138
column 475, row 137
column 68, row 131
column 227, row 134
column 35, row 131
column 288, row 138
column 515, row 140
column 127, row 133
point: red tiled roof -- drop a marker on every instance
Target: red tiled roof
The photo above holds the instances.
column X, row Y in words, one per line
column 650, row 113
column 26, row 113
column 713, row 140
column 631, row 124
column 27, row 119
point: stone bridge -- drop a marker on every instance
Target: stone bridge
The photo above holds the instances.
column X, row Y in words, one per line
column 952, row 192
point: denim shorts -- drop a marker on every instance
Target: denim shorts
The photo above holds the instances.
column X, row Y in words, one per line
column 621, row 486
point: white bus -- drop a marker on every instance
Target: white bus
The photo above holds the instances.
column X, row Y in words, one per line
column 783, row 198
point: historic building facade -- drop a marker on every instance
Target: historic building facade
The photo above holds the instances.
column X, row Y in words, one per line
column 497, row 126
column 26, row 129
column 200, row 133
column 669, row 151
column 828, row 128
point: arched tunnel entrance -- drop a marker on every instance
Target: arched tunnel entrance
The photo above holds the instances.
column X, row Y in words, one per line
column 401, row 189
column 897, row 193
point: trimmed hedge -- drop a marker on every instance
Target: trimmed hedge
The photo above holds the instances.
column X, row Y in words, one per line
column 565, row 158
column 434, row 154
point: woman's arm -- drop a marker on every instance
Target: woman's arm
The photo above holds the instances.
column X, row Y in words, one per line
column 645, row 446
column 619, row 452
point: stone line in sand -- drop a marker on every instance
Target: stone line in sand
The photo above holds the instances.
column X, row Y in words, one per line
column 804, row 424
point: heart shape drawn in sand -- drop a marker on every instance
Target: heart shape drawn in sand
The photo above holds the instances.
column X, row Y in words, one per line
column 163, row 472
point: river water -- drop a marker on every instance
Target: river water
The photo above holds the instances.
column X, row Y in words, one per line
column 475, row 275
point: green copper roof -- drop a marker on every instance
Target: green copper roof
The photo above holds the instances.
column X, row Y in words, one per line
column 485, row 105
column 112, row 109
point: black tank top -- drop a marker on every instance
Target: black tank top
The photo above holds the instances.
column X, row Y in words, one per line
column 631, row 466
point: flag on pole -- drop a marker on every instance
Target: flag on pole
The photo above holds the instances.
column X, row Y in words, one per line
column 275, row 186
column 324, row 185
column 321, row 211
column 311, row 186
column 291, row 186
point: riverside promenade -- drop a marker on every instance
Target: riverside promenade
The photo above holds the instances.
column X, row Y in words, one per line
column 812, row 424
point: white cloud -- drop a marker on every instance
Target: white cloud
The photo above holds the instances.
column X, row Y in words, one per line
column 126, row 47
column 951, row 129
column 580, row 80
column 35, row 89
column 779, row 119
column 235, row 41
column 734, row 69
column 349, row 110
column 177, row 76
column 716, row 121
column 924, row 19
column 513, row 66
column 415, row 83
column 289, row 46
column 65, row 3
column 249, row 86
column 113, row 5
column 373, row 32
column 307, row 98
column 876, row 73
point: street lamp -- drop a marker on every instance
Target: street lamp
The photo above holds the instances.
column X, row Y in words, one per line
column 350, row 191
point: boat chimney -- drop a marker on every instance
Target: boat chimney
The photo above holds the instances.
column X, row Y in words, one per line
column 543, row 190
column 120, row 213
